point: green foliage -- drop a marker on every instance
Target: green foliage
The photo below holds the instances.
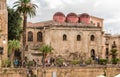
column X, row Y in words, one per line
column 45, row 49
column 89, row 61
column 6, row 63
column 13, row 45
column 74, row 62
column 114, row 56
column 26, row 7
column 103, row 61
column 59, row 61
column 14, row 25
column 115, row 60
column 113, row 52
column 30, row 63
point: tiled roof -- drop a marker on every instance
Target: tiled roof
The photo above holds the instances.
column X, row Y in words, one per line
column 30, row 24
column 96, row 17
column 50, row 22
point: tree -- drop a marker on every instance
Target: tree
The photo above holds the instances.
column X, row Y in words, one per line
column 25, row 7
column 13, row 45
column 114, row 55
column 113, row 52
column 14, row 25
column 45, row 49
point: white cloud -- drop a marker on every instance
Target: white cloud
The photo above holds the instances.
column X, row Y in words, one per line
column 54, row 4
column 107, row 9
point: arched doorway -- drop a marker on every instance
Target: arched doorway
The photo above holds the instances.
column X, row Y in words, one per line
column 17, row 55
column 107, row 53
column 93, row 54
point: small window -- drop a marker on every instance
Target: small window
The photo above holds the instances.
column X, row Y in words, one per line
column 64, row 37
column 91, row 22
column 107, row 53
column 30, row 36
column 92, row 37
column 98, row 24
column 39, row 37
column 93, row 54
column 78, row 37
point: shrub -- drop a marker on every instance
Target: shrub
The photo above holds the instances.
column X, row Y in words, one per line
column 6, row 63
column 74, row 62
column 89, row 61
column 30, row 63
column 103, row 61
column 59, row 61
column 115, row 60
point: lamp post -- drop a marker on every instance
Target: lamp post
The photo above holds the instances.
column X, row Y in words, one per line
column 4, row 41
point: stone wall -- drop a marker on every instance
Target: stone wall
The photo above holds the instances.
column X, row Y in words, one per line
column 12, row 72
column 62, row 72
column 54, row 37
column 3, row 29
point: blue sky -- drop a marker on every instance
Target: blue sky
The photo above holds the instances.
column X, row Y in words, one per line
column 107, row 9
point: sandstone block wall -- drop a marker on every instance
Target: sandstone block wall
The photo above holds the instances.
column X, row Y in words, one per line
column 62, row 72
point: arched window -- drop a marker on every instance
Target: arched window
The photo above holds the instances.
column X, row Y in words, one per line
column 93, row 54
column 64, row 37
column 30, row 36
column 107, row 53
column 39, row 37
column 98, row 24
column 78, row 37
column 92, row 37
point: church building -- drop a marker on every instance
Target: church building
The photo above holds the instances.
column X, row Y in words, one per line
column 72, row 33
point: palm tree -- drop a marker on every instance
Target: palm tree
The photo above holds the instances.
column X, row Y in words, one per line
column 13, row 45
column 45, row 49
column 25, row 7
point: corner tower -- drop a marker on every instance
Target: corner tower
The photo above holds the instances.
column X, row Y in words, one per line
column 3, row 30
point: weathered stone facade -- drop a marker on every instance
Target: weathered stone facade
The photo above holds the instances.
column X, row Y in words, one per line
column 54, row 37
column 78, row 37
column 110, row 41
column 3, row 29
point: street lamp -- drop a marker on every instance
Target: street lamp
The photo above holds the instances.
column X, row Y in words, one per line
column 4, row 41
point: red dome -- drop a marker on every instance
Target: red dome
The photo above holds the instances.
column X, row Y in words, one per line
column 84, row 15
column 84, row 18
column 59, row 17
column 72, row 17
column 72, row 14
